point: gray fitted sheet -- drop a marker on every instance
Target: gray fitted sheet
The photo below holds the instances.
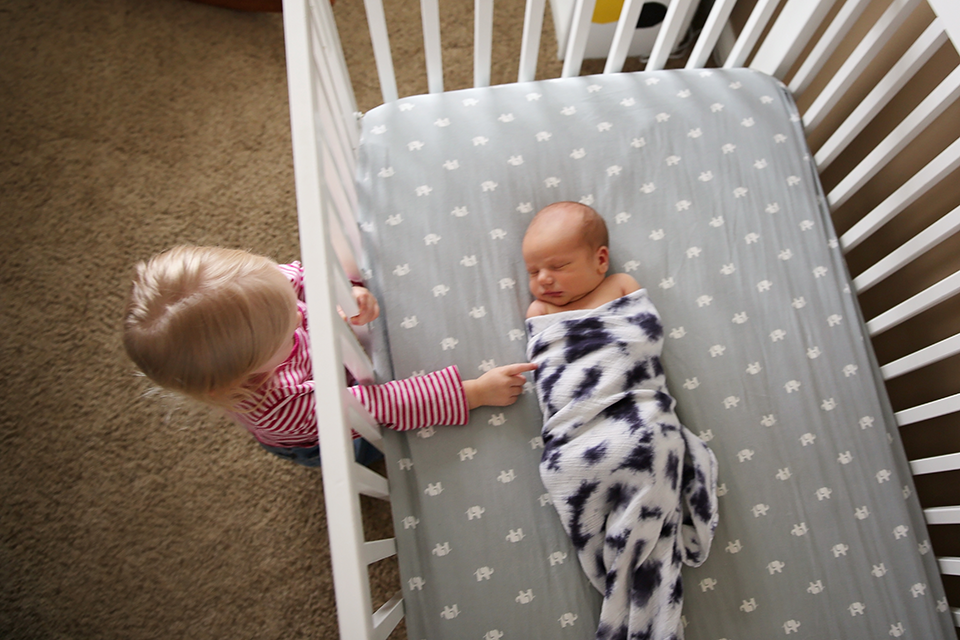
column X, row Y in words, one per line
column 713, row 205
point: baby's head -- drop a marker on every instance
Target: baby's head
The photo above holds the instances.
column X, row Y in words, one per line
column 566, row 253
column 203, row 320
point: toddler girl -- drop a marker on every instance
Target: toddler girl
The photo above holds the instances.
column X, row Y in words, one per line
column 230, row 328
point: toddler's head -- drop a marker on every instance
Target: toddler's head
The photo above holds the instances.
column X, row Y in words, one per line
column 203, row 320
column 565, row 250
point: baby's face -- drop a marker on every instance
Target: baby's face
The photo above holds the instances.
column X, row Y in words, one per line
column 562, row 268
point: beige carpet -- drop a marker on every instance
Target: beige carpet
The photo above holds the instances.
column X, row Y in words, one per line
column 129, row 126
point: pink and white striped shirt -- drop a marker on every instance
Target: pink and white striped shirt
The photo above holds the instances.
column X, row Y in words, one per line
column 285, row 416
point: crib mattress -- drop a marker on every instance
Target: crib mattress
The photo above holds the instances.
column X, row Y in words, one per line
column 714, row 206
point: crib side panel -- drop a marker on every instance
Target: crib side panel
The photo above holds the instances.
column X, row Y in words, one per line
column 324, row 148
column 888, row 149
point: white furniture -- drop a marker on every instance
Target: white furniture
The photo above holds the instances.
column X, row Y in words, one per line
column 847, row 63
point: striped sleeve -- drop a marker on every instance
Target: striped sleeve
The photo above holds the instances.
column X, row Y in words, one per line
column 294, row 272
column 437, row 398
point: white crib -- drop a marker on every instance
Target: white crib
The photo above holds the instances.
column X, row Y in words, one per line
column 888, row 156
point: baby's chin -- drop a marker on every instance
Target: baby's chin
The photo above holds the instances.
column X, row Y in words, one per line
column 556, row 301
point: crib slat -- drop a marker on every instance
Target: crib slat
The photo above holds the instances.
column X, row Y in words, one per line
column 430, row 18
column 910, row 250
column 377, row 24
column 620, row 45
column 942, row 515
column 936, row 464
column 530, row 41
column 710, row 33
column 361, row 421
column 935, row 409
column 339, row 134
column 482, row 42
column 577, row 40
column 347, row 241
column 900, row 73
column 337, row 111
column 354, row 357
column 346, row 245
column 370, row 483
column 752, row 30
column 338, row 161
column 336, row 76
column 671, row 30
column 828, row 43
column 343, row 290
column 949, row 566
column 904, row 133
column 925, row 179
column 387, row 617
column 789, row 35
column 377, row 550
column 334, row 167
column 922, row 301
column 862, row 55
column 928, row 355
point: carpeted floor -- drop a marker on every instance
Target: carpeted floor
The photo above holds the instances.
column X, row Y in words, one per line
column 129, row 126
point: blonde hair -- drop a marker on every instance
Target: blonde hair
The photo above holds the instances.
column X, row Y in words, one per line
column 201, row 320
column 593, row 227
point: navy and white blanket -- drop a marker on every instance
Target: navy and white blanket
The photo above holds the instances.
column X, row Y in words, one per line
column 635, row 489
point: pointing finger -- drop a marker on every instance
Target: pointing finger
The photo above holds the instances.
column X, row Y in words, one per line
column 518, row 368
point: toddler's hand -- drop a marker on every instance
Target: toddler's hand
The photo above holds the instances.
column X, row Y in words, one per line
column 368, row 305
column 498, row 387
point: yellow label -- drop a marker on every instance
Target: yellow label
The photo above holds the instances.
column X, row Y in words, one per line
column 607, row 11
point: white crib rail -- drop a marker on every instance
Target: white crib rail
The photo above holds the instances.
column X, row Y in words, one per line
column 324, row 143
column 712, row 30
column 946, row 23
column 912, row 61
column 795, row 40
column 838, row 29
column 621, row 38
column 577, row 42
column 759, row 18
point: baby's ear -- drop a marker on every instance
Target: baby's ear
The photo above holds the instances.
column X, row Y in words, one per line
column 603, row 258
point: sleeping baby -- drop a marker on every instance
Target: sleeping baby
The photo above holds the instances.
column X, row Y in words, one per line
column 635, row 489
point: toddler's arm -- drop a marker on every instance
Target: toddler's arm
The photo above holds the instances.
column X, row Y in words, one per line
column 414, row 403
column 440, row 397
column 437, row 398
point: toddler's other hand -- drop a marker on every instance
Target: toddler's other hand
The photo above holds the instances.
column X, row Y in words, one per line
column 499, row 387
column 368, row 305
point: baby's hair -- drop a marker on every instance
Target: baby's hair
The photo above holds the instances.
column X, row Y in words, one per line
column 594, row 228
column 201, row 320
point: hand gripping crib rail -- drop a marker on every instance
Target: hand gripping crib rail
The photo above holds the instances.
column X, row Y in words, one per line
column 849, row 64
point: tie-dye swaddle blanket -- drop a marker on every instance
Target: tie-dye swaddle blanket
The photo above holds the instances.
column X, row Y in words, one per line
column 635, row 489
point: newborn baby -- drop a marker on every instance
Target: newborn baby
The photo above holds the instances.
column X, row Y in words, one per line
column 635, row 489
